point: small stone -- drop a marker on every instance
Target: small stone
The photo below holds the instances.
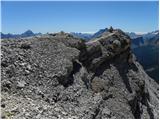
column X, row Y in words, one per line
column 4, row 63
column 27, row 72
column 38, row 116
column 25, row 46
column 23, row 64
column 113, row 117
column 74, row 117
column 29, row 67
column 21, row 84
column 106, row 113
column 57, row 109
column 3, row 116
column 3, row 105
column 15, row 110
column 117, row 43
column 64, row 113
column 6, row 84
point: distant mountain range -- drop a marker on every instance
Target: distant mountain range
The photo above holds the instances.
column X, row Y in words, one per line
column 151, row 38
column 27, row 33
column 99, row 33
column 137, row 39
column 85, row 36
column 148, row 56
column 146, row 49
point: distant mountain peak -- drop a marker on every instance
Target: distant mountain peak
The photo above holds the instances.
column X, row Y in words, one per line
column 100, row 32
column 28, row 32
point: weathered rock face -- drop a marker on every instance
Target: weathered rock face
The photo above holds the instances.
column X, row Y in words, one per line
column 59, row 76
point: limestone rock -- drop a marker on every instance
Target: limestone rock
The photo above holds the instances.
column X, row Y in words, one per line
column 59, row 76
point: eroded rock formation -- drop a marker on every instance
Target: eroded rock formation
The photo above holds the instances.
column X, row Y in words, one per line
column 59, row 76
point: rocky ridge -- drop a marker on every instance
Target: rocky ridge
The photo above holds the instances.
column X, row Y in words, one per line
column 59, row 76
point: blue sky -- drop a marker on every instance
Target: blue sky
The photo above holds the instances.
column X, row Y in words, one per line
column 50, row 16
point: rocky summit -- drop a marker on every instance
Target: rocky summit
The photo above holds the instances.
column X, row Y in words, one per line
column 60, row 76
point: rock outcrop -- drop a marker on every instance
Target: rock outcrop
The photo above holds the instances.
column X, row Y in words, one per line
column 59, row 76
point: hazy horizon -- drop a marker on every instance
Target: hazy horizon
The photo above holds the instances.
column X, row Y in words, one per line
column 77, row 32
column 85, row 17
